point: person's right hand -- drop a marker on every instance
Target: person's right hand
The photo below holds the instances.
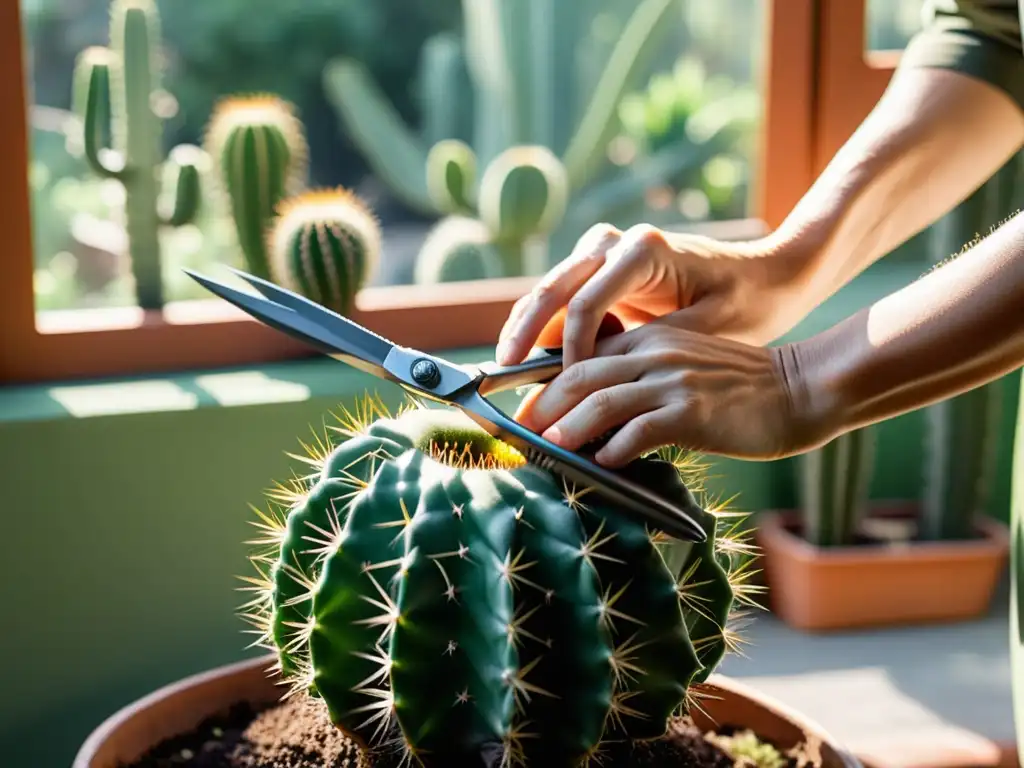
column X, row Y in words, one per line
column 740, row 291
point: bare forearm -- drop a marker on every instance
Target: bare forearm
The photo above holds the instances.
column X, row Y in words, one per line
column 933, row 138
column 958, row 327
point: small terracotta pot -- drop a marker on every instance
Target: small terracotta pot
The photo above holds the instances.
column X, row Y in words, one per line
column 174, row 709
column 871, row 585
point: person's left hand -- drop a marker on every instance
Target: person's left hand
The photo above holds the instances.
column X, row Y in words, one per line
column 667, row 386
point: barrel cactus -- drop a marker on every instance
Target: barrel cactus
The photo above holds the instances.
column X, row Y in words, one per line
column 261, row 155
column 324, row 244
column 448, row 601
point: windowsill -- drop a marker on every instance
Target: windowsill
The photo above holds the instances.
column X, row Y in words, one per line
column 320, row 377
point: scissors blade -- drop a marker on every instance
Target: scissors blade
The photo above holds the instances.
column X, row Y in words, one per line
column 307, row 321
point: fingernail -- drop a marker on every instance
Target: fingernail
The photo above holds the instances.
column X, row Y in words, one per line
column 501, row 352
column 552, row 434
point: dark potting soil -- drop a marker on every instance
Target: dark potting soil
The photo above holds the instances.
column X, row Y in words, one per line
column 296, row 733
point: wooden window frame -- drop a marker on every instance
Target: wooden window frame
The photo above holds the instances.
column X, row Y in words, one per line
column 79, row 344
column 850, row 78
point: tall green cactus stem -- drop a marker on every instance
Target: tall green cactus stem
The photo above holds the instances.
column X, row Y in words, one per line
column 1017, row 576
column 451, row 176
column 261, row 155
column 124, row 80
column 834, row 484
column 449, row 601
column 458, row 248
column 963, row 432
column 325, row 245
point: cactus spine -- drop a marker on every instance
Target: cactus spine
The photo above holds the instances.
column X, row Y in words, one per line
column 325, row 245
column 445, row 598
column 261, row 155
column 120, row 83
column 834, row 484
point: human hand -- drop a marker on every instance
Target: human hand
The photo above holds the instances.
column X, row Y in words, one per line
column 741, row 291
column 667, row 386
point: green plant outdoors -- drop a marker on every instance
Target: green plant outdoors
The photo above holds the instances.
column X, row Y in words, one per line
column 322, row 243
column 510, row 152
column 117, row 97
column 423, row 561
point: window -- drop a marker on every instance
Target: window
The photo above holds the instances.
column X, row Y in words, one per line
column 860, row 43
column 712, row 128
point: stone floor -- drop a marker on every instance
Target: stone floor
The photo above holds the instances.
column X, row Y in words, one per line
column 936, row 695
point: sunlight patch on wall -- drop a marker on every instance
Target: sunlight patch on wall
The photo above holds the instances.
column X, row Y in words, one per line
column 123, row 397
column 251, row 388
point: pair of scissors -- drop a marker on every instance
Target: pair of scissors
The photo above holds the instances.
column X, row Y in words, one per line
column 462, row 386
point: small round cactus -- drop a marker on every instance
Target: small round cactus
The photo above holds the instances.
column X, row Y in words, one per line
column 523, row 192
column 261, row 156
column 448, row 601
column 325, row 245
column 457, row 248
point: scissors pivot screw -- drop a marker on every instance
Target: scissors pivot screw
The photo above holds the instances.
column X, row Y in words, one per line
column 426, row 373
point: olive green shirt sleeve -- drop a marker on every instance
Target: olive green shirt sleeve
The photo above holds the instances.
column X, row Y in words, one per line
column 979, row 38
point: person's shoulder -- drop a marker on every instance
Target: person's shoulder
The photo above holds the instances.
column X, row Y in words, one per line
column 978, row 38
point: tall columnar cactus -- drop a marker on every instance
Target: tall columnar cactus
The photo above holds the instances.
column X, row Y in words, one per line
column 834, row 484
column 261, row 155
column 447, row 600
column 324, row 244
column 962, row 432
column 121, row 84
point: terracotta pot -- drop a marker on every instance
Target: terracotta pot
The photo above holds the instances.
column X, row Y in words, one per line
column 817, row 589
column 179, row 707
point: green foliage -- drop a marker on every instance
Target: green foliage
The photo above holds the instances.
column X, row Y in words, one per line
column 749, row 751
column 713, row 116
column 260, row 152
column 447, row 600
column 115, row 91
column 835, row 481
column 324, row 244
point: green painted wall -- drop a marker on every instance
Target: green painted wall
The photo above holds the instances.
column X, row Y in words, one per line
column 125, row 507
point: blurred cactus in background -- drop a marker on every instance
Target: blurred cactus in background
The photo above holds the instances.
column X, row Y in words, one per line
column 519, row 200
column 118, row 98
column 962, row 433
column 518, row 70
column 324, row 244
column 458, row 248
column 835, row 481
column 261, row 155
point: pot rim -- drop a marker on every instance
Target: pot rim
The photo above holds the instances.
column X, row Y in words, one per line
column 812, row 732
column 774, row 535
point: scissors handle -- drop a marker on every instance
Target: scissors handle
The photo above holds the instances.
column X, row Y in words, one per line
column 546, row 361
column 537, row 370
